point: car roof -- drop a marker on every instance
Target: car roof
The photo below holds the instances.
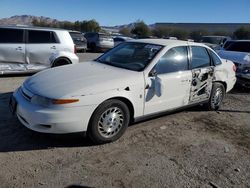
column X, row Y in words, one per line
column 238, row 40
column 73, row 31
column 30, row 27
column 216, row 36
column 167, row 42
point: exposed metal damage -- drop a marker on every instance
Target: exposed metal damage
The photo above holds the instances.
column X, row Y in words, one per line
column 201, row 85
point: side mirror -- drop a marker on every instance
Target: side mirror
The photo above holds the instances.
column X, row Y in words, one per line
column 152, row 73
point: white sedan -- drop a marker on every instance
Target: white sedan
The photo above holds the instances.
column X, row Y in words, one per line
column 135, row 80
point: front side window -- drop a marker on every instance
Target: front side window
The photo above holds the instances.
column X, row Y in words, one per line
column 130, row 55
column 11, row 35
column 200, row 57
column 174, row 60
column 41, row 37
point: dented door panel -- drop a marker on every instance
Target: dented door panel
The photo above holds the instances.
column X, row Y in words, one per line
column 201, row 85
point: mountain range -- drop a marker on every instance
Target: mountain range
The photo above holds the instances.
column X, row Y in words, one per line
column 26, row 20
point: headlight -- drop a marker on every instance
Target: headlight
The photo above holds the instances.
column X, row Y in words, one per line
column 44, row 101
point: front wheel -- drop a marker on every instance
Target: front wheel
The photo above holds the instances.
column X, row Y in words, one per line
column 109, row 121
column 216, row 97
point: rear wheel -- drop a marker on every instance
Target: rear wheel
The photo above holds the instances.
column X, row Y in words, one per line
column 217, row 96
column 109, row 121
column 60, row 62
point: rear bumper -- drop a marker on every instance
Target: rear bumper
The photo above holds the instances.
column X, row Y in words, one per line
column 243, row 80
column 230, row 83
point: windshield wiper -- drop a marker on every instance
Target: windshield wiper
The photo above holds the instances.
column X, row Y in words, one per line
column 101, row 61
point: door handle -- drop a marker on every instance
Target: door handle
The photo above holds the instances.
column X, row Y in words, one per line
column 19, row 48
column 53, row 47
column 185, row 80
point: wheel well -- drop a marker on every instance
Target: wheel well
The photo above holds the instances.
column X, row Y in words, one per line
column 123, row 99
column 129, row 105
column 61, row 58
column 223, row 83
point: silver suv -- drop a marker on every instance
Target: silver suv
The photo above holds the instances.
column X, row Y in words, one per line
column 99, row 41
column 30, row 49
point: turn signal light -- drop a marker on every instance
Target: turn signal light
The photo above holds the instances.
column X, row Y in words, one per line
column 75, row 51
column 234, row 68
column 64, row 101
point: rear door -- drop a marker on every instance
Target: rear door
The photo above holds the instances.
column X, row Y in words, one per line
column 40, row 46
column 202, row 74
column 12, row 46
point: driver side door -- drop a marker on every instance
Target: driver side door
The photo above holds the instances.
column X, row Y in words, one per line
column 168, row 84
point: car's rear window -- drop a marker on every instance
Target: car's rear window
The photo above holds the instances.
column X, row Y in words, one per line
column 75, row 35
column 238, row 46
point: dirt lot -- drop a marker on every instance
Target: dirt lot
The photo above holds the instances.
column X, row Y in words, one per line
column 191, row 148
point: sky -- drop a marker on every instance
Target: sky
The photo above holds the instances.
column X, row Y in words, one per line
column 119, row 12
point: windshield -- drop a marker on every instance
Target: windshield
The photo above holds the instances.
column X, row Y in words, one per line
column 130, row 55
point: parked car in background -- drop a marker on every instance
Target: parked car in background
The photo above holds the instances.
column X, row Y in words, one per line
column 238, row 51
column 79, row 40
column 30, row 49
column 120, row 39
column 99, row 41
column 132, row 81
column 171, row 38
column 214, row 42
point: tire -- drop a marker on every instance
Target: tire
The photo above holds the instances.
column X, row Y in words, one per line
column 60, row 62
column 93, row 47
column 109, row 122
column 217, row 96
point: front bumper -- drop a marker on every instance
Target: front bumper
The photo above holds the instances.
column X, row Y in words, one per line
column 57, row 120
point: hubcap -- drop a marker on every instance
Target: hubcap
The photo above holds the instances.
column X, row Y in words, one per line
column 110, row 122
column 218, row 96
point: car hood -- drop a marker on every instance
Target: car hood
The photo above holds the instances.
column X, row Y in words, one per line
column 86, row 78
column 237, row 57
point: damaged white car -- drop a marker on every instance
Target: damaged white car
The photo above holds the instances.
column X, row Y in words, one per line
column 135, row 80
column 31, row 49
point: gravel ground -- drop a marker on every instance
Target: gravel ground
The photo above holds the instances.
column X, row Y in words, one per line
column 191, row 148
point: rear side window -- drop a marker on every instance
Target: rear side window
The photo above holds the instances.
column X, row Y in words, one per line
column 200, row 57
column 174, row 60
column 11, row 35
column 41, row 37
column 215, row 58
